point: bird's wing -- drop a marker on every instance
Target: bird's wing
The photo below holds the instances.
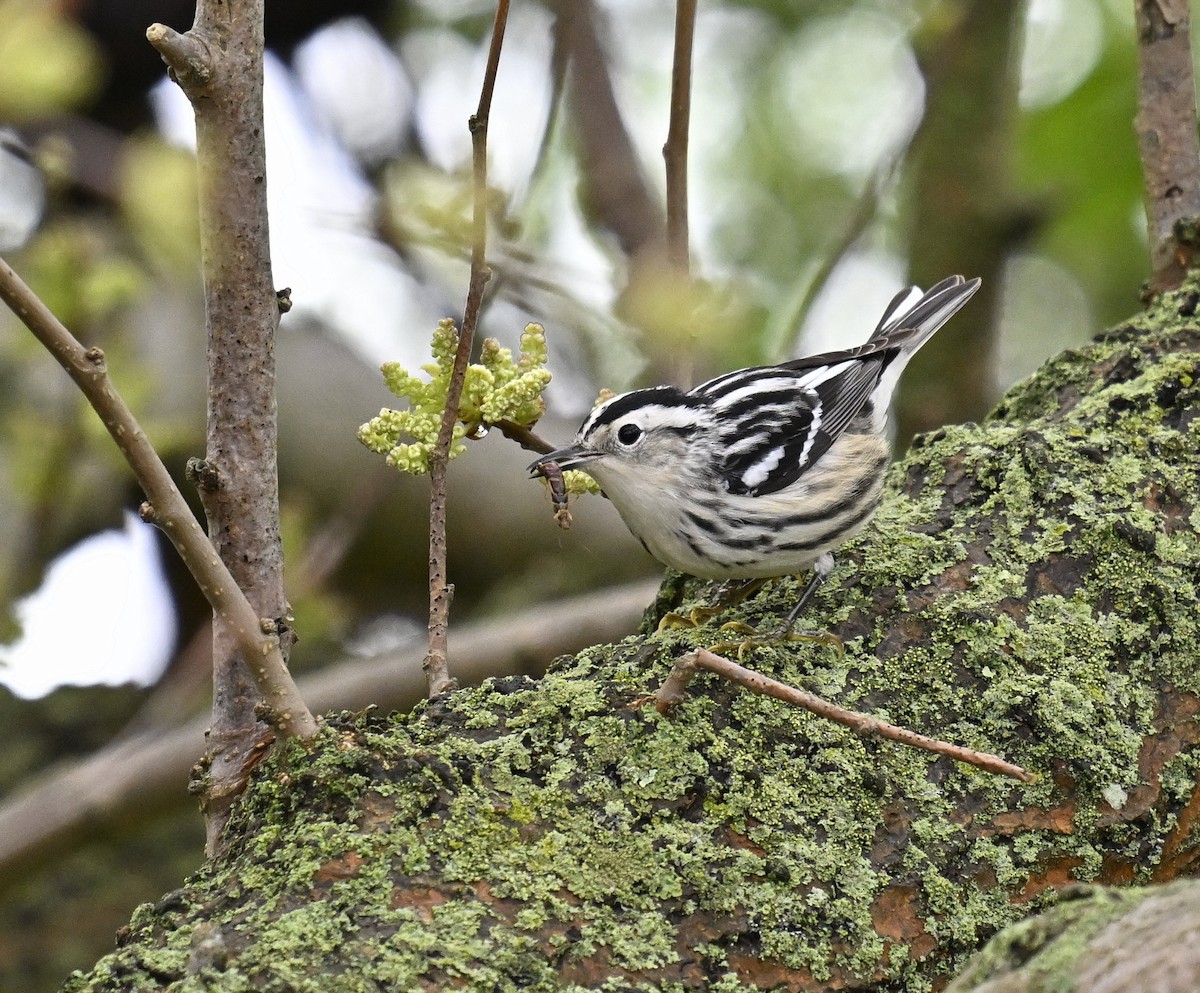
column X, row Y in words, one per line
column 773, row 423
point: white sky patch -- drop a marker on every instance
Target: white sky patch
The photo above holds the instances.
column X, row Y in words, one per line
column 358, row 88
column 449, row 72
column 1063, row 42
column 322, row 227
column 22, row 192
column 103, row 615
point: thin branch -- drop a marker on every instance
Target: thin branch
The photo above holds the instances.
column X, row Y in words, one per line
column 675, row 151
column 55, row 813
column 676, row 280
column 436, row 665
column 524, row 437
column 671, row 694
column 1167, row 139
column 167, row 508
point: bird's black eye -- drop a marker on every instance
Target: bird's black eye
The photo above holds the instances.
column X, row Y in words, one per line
column 628, row 434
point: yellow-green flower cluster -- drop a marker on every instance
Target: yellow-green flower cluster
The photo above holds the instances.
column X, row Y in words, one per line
column 495, row 389
column 579, row 482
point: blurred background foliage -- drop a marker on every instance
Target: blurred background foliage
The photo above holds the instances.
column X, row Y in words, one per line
column 838, row 150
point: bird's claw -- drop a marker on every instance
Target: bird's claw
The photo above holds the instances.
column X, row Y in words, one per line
column 696, row 617
column 755, row 639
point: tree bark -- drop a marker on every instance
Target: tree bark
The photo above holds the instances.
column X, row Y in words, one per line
column 219, row 65
column 1167, row 142
column 1028, row 589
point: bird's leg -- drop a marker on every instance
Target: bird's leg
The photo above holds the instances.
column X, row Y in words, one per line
column 729, row 595
column 754, row 639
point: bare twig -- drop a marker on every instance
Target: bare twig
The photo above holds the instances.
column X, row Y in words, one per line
column 1167, row 139
column 437, row 669
column 57, row 812
column 671, row 694
column 167, row 508
column 678, row 272
column 675, row 151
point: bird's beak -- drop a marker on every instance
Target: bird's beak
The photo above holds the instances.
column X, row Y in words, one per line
column 571, row 457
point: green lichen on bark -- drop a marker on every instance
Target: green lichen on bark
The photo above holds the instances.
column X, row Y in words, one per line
column 1028, row 589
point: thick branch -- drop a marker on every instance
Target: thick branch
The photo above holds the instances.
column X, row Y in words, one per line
column 437, row 669
column 965, row 220
column 144, row 772
column 1167, row 141
column 169, row 510
column 219, row 65
column 1020, row 589
column 611, row 184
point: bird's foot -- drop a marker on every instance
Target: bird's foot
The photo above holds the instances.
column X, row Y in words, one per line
column 694, row 618
column 757, row 639
column 731, row 593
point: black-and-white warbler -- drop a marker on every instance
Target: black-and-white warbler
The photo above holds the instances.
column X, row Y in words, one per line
column 762, row 472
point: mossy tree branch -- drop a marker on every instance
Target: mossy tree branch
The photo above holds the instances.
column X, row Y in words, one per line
column 1028, row 588
column 138, row 775
column 1097, row 939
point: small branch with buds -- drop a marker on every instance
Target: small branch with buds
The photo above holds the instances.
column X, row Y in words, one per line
column 436, row 664
column 672, row 693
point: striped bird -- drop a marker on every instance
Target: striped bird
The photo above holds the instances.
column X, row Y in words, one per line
column 762, row 472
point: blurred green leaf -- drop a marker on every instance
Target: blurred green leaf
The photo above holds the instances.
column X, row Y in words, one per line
column 47, row 64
